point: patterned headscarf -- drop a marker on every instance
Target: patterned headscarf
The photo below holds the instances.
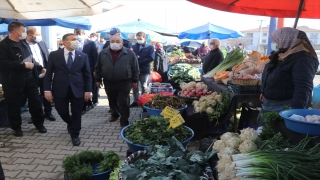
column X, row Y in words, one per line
column 285, row 37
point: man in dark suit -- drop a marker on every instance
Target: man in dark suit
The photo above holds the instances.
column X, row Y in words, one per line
column 40, row 53
column 71, row 83
column 89, row 47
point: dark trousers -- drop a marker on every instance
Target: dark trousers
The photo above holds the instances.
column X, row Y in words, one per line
column 94, row 98
column 74, row 120
column 1, row 173
column 14, row 98
column 45, row 102
column 118, row 100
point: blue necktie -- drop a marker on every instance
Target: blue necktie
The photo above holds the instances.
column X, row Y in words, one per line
column 70, row 61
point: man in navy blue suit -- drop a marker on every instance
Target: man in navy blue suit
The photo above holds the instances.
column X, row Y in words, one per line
column 89, row 48
column 71, row 83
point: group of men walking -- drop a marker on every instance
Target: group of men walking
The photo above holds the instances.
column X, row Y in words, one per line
column 71, row 74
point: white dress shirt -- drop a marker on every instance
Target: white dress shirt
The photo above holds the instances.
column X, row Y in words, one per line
column 66, row 54
column 36, row 52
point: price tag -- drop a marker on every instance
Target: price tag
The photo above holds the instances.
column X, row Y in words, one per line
column 169, row 112
column 176, row 121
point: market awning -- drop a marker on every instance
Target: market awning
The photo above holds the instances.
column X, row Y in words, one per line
column 272, row 8
column 36, row 9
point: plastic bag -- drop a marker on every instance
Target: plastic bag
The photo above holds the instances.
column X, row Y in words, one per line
column 145, row 98
column 155, row 77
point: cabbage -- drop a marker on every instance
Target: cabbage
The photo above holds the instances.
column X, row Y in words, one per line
column 249, row 134
column 248, row 146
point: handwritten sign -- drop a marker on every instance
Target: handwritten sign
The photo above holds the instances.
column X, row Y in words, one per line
column 176, row 121
column 169, row 112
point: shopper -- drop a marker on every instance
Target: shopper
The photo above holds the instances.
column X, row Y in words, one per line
column 214, row 57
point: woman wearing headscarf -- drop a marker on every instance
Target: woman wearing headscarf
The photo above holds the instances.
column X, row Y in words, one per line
column 161, row 62
column 287, row 80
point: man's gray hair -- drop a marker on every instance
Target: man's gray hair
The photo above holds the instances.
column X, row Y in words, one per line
column 216, row 41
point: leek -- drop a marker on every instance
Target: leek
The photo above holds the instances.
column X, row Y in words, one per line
column 235, row 57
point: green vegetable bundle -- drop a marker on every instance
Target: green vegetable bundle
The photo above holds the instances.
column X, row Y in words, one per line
column 154, row 131
column 235, row 57
column 79, row 166
column 161, row 101
column 174, row 162
column 183, row 73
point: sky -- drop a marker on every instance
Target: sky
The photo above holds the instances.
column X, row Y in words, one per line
column 181, row 15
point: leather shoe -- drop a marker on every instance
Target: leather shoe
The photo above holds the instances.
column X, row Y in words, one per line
column 18, row 133
column 50, row 117
column 89, row 108
column 75, row 141
column 110, row 111
column 134, row 104
column 95, row 104
column 113, row 119
column 42, row 129
column 30, row 121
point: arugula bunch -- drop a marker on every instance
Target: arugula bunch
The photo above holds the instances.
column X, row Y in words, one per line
column 154, row 131
column 79, row 166
column 174, row 162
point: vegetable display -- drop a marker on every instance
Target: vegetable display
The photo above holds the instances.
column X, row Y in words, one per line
column 235, row 57
column 183, row 73
column 214, row 105
column 154, row 131
column 115, row 172
column 79, row 166
column 193, row 89
column 161, row 101
column 174, row 162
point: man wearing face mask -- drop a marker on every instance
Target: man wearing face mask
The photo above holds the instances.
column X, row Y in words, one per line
column 214, row 57
column 72, row 82
column 145, row 54
column 40, row 53
column 60, row 45
column 19, row 75
column 116, row 32
column 89, row 47
column 119, row 69
column 95, row 38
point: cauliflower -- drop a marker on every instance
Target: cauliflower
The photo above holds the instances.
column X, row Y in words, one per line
column 218, row 98
column 195, row 103
column 209, row 110
column 248, row 146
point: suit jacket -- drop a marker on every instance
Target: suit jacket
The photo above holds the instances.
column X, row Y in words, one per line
column 78, row 77
column 90, row 49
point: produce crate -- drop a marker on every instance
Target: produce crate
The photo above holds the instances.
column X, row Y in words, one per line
column 242, row 89
column 160, row 87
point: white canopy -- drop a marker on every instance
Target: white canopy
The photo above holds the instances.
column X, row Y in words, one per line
column 43, row 9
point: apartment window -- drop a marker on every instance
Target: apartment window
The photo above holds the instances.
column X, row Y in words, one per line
column 250, row 35
column 314, row 36
column 264, row 34
column 249, row 41
column 264, row 41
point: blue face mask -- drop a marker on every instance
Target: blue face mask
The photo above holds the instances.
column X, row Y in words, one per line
column 80, row 38
column 274, row 46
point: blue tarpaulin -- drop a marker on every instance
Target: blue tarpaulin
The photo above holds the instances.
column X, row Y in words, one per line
column 69, row 22
column 209, row 31
column 3, row 28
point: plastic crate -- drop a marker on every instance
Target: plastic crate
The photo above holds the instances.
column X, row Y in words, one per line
column 160, row 87
column 242, row 89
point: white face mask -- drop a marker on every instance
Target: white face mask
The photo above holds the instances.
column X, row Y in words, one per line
column 23, row 36
column 274, row 46
column 74, row 44
column 93, row 39
column 38, row 39
column 61, row 47
column 140, row 41
column 115, row 46
column 211, row 47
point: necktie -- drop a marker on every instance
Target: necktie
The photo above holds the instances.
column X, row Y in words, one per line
column 70, row 61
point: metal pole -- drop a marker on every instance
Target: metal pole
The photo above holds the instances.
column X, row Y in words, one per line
column 301, row 5
column 259, row 39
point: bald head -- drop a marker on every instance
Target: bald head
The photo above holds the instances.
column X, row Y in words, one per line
column 33, row 35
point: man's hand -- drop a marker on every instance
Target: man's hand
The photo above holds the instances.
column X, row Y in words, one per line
column 138, row 56
column 261, row 98
column 28, row 65
column 43, row 71
column 48, row 96
column 99, row 84
column 134, row 85
column 94, row 73
column 86, row 96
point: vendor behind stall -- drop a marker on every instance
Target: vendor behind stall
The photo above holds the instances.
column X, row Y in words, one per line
column 214, row 57
column 287, row 80
column 187, row 52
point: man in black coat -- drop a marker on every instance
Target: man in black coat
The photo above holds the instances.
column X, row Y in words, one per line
column 116, row 31
column 161, row 62
column 19, row 76
column 40, row 53
column 214, row 57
